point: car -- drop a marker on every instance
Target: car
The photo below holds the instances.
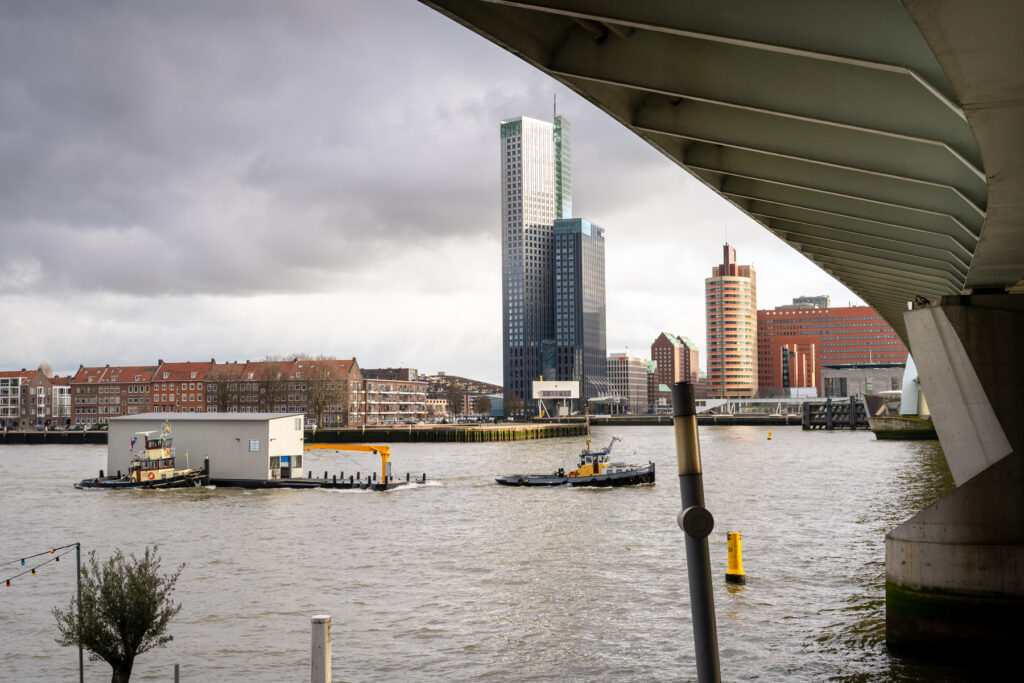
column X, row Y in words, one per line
column 75, row 428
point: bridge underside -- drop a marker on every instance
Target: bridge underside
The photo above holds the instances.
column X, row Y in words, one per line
column 884, row 141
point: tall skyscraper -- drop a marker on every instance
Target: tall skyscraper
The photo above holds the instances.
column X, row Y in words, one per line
column 536, row 191
column 730, row 296
column 580, row 306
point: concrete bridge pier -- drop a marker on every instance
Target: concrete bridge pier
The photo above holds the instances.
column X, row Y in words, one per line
column 955, row 571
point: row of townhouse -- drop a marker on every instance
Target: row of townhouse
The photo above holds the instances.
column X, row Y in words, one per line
column 329, row 392
column 31, row 398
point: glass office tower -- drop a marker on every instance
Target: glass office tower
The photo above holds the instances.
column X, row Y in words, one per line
column 536, row 188
column 580, row 306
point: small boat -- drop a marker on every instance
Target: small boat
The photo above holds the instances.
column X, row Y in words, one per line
column 595, row 469
column 152, row 467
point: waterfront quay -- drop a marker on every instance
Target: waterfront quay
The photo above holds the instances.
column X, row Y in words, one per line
column 403, row 434
column 706, row 419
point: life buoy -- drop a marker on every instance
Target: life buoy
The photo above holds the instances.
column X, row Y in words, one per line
column 150, row 475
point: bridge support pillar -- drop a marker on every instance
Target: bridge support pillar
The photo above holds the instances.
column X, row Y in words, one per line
column 955, row 571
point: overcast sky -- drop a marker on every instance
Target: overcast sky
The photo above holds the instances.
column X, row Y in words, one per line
column 231, row 180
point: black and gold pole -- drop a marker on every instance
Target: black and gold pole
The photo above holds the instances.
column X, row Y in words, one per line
column 696, row 522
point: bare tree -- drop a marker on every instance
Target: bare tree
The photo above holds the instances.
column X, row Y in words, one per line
column 272, row 380
column 482, row 405
column 326, row 388
column 223, row 389
column 513, row 404
column 46, row 369
column 454, row 394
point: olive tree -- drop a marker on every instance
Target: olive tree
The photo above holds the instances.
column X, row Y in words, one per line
column 124, row 610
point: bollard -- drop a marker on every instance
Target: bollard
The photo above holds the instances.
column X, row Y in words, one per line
column 696, row 522
column 320, row 661
column 407, row 477
column 176, row 674
column 734, row 574
column 424, row 477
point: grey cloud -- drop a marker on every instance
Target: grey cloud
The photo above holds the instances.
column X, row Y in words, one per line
column 238, row 148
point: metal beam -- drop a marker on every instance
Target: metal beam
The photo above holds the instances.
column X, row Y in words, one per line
column 830, row 30
column 824, row 178
column 842, row 93
column 800, row 232
column 854, row 207
column 828, row 222
column 892, row 155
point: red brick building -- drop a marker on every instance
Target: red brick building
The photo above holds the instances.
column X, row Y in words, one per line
column 794, row 345
column 178, row 387
column 677, row 357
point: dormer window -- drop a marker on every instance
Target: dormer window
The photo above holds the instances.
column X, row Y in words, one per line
column 194, row 374
column 166, row 375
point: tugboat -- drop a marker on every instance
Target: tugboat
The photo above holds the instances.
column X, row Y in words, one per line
column 152, row 468
column 595, row 469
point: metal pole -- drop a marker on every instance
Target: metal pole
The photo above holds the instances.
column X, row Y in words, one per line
column 696, row 522
column 81, row 658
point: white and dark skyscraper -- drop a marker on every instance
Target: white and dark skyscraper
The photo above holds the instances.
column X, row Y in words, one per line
column 536, row 190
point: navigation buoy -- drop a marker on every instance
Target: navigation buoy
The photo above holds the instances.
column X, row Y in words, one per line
column 734, row 574
column 769, row 435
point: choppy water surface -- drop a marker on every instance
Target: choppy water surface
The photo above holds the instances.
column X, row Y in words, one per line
column 464, row 579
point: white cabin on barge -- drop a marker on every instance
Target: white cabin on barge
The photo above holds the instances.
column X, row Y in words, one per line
column 239, row 445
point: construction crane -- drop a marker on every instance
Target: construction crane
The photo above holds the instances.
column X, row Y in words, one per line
column 383, row 451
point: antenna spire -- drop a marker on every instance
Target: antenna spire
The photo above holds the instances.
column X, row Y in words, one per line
column 554, row 114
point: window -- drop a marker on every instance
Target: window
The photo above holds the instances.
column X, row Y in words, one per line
column 254, row 447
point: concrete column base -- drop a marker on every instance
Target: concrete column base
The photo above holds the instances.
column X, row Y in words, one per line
column 955, row 571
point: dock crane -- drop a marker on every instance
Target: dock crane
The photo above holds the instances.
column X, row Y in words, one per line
column 383, row 451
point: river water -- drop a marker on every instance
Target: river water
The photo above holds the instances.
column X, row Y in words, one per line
column 463, row 579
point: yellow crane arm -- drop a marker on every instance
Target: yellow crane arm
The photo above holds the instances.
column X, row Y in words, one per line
column 384, row 451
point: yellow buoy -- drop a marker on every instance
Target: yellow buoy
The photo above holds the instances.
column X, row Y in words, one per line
column 769, row 435
column 734, row 574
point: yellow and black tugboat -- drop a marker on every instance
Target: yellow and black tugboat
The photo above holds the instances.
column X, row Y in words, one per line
column 152, row 467
column 595, row 469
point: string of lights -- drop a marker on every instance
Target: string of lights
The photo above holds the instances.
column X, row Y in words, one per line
column 32, row 570
column 45, row 552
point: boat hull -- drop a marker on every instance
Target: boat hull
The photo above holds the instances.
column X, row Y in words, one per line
column 638, row 476
column 191, row 479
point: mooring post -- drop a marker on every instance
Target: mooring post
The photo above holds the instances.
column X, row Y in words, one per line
column 320, row 665
column 696, row 522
